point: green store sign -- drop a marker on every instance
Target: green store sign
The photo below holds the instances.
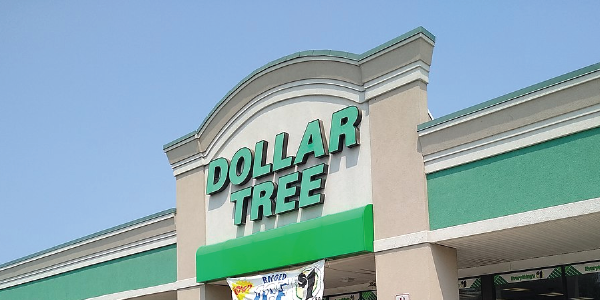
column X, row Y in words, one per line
column 291, row 191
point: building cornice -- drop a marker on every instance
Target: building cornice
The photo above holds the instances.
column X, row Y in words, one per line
column 538, row 216
column 347, row 57
column 148, row 233
column 441, row 152
column 157, row 217
column 484, row 108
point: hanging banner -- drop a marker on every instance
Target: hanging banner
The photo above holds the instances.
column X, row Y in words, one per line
column 301, row 284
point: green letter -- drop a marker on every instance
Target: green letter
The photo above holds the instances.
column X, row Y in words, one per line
column 260, row 157
column 241, row 205
column 313, row 181
column 344, row 127
column 312, row 142
column 280, row 159
column 285, row 192
column 241, row 166
column 217, row 176
column 263, row 200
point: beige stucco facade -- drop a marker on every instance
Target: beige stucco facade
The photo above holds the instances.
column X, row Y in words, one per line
column 400, row 148
column 424, row 271
column 190, row 220
column 389, row 87
column 499, row 198
column 399, row 193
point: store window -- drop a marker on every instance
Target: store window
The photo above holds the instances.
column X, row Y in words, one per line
column 570, row 282
column 469, row 289
column 583, row 281
column 541, row 284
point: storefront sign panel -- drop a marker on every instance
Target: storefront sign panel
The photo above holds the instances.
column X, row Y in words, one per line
column 286, row 164
column 527, row 276
column 593, row 267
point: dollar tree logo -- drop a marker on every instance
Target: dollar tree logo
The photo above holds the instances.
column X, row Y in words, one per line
column 287, row 192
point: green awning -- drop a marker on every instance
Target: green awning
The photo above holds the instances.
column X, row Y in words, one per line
column 341, row 234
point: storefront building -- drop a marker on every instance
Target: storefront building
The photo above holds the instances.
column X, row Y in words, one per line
column 332, row 155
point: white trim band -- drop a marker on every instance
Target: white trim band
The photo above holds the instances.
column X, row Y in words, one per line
column 491, row 225
column 512, row 102
column 87, row 241
column 310, row 87
column 395, row 79
column 96, row 258
column 515, row 139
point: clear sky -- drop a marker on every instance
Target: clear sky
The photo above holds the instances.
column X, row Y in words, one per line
column 91, row 90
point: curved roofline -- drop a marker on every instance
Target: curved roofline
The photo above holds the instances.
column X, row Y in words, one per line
column 308, row 53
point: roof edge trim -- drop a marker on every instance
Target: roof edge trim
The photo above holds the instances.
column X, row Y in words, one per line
column 510, row 96
column 308, row 53
column 91, row 236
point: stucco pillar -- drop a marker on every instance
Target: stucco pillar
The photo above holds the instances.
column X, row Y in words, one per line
column 189, row 294
column 399, row 184
column 425, row 271
column 190, row 220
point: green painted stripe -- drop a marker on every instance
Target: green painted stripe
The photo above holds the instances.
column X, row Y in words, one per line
column 571, row 271
column 556, row 172
column 368, row 295
column 516, row 94
column 499, row 280
column 309, row 53
column 345, row 233
column 476, row 284
column 93, row 235
column 556, row 273
column 146, row 269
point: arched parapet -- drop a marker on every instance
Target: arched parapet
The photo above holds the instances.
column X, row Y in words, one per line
column 312, row 134
column 355, row 77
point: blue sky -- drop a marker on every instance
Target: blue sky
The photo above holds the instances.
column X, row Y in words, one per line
column 91, row 90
